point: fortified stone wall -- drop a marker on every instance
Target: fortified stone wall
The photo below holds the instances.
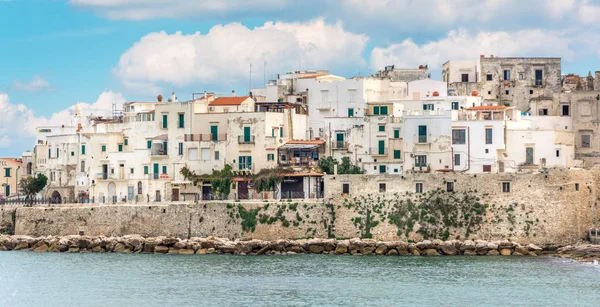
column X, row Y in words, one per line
column 7, row 219
column 556, row 207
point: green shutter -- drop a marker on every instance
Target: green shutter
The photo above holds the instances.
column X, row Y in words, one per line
column 181, row 121
column 126, row 142
column 246, row 134
column 281, row 132
column 72, row 153
column 214, row 133
column 272, row 131
column 396, row 154
column 376, row 110
column 165, row 121
column 149, row 144
column 381, row 128
column 340, row 137
column 350, row 112
column 164, row 169
column 424, row 107
column 397, row 134
column 7, row 172
column 384, row 110
column 145, row 169
column 83, row 149
column 7, row 192
column 120, row 147
column 103, row 148
column 381, row 147
column 249, row 162
column 155, row 168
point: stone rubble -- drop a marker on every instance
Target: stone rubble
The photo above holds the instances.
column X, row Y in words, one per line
column 213, row 245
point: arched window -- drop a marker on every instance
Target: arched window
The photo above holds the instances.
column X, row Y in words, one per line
column 83, row 166
column 29, row 166
column 139, row 188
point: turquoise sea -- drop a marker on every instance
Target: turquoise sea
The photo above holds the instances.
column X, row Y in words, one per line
column 49, row 279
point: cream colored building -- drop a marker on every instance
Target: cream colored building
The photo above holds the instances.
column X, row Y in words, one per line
column 10, row 174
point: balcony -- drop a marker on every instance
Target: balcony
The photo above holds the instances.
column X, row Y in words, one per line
column 242, row 167
column 324, row 106
column 204, row 137
column 159, row 152
column 340, row 145
column 422, row 139
column 376, row 151
column 156, row 176
column 245, row 139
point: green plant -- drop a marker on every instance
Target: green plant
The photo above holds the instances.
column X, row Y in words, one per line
column 33, row 185
column 248, row 218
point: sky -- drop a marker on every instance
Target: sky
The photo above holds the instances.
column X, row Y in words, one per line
column 55, row 53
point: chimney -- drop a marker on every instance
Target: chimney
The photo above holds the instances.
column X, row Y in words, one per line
column 492, row 56
column 205, row 95
column 232, row 93
column 159, row 98
column 173, row 98
column 335, row 169
column 482, row 56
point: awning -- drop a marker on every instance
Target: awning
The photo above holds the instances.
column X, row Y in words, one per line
column 180, row 182
column 299, row 146
column 161, row 137
column 302, row 175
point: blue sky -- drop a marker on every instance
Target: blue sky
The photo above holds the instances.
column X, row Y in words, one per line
column 54, row 53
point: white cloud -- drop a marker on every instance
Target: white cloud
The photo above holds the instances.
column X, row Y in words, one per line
column 589, row 13
column 224, row 53
column 148, row 9
column 19, row 122
column 37, row 84
column 464, row 45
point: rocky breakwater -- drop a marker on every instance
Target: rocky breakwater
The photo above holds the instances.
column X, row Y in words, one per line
column 580, row 252
column 214, row 245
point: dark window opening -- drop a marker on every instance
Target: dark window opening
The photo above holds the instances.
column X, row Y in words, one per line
column 382, row 188
column 346, row 188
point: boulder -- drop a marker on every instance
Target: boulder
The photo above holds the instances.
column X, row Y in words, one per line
column 121, row 248
column 315, row 248
column 493, row 252
column 368, row 249
column 180, row 245
column 448, row 248
column 136, row 242
column 505, row 252
column 330, row 245
column 83, row 243
column 534, row 248
column 392, row 252
column 297, row 249
column 426, row 244
column 414, row 250
column 173, row 250
column 470, row 252
column 402, row 248
column 170, row 241
column 468, row 245
column 73, row 250
column 151, row 244
column 521, row 250
column 431, row 252
column 381, row 249
column 210, row 251
column 201, row 251
column 21, row 245
column 161, row 249
column 97, row 249
column 342, row 247
column 186, row 251
column 41, row 248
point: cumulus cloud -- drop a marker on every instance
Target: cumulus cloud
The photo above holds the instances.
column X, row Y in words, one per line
column 462, row 44
column 19, row 122
column 148, row 9
column 223, row 55
column 37, row 84
column 588, row 12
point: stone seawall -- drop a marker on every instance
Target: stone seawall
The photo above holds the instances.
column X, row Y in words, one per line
column 213, row 245
column 7, row 219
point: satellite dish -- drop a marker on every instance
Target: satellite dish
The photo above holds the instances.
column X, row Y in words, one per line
column 280, row 141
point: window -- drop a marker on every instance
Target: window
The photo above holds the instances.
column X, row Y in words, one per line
column 324, row 96
column 145, row 169
column 164, row 169
column 181, row 149
column 449, row 186
column 585, row 140
column 565, row 110
column 507, row 92
column 120, row 147
column 395, row 170
column 205, row 154
column 456, row 159
column 165, row 121
column 112, row 170
column 270, row 157
column 557, row 153
column 245, row 162
column 488, row 135
column 103, row 148
column 530, row 92
column 72, row 153
column 376, row 110
column 458, row 136
column 381, row 147
column 539, row 77
column 272, row 131
column 382, row 188
column 489, row 92
column 488, row 77
column 126, row 142
column 422, row 134
column 487, row 168
column 397, row 154
column 7, row 172
column 577, row 187
column 396, row 133
column 280, row 131
column 139, row 188
column 83, row 149
column 57, row 152
column 521, row 76
column 455, row 105
column 487, row 151
column 529, row 155
column 49, row 153
column 345, row 188
column 149, row 144
column 83, row 166
column 506, row 75
column 464, row 77
column 131, row 170
column 419, row 187
column 506, row 187
column 181, row 123
column 420, row 160
column 217, row 155
column 382, row 169
column 543, row 112
column 383, row 110
column 428, row 106
column 351, row 96
column 382, row 128
column 350, row 112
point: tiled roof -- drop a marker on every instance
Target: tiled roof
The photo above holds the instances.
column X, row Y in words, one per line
column 310, row 142
column 12, row 161
column 228, row 101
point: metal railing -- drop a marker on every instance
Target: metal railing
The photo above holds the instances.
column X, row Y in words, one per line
column 422, row 139
column 292, row 194
column 340, row 145
column 376, row 151
column 245, row 139
column 204, row 137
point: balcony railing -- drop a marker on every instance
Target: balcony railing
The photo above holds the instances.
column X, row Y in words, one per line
column 242, row 166
column 159, row 152
column 340, row 145
column 299, row 161
column 204, row 137
column 324, row 106
column 156, row 176
column 376, row 151
column 245, row 139
column 422, row 139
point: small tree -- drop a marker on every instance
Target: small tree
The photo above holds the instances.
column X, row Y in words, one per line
column 220, row 181
column 327, row 164
column 33, row 185
column 268, row 179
